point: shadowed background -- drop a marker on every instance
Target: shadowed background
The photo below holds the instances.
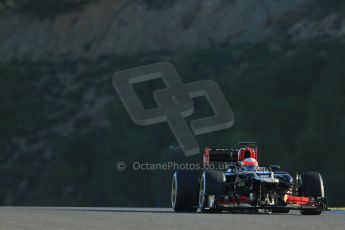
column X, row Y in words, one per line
column 280, row 64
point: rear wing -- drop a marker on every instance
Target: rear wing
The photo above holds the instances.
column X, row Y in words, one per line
column 212, row 155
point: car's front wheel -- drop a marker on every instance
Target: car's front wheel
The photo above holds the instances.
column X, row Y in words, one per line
column 311, row 186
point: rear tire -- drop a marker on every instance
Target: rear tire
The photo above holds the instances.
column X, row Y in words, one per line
column 312, row 186
column 211, row 183
column 185, row 191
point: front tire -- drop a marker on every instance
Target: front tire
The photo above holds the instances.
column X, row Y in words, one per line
column 311, row 186
column 184, row 191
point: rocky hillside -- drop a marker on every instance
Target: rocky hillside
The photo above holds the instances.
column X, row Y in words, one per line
column 105, row 27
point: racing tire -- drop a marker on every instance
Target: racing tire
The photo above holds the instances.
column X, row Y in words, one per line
column 211, row 183
column 185, row 191
column 312, row 186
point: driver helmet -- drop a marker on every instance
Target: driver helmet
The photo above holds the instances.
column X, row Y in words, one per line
column 249, row 164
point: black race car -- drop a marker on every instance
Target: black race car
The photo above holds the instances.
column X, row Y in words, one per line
column 244, row 186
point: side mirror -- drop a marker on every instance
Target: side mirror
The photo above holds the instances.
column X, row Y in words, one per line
column 274, row 167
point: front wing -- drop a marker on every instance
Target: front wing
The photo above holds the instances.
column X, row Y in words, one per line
column 292, row 203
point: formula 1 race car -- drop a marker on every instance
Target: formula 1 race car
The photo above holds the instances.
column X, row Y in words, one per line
column 244, row 186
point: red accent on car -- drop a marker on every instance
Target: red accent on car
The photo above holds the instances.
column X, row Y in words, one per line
column 244, row 199
column 206, row 159
column 300, row 200
column 247, row 152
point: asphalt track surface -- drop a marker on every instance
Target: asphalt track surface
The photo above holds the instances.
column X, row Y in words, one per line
column 36, row 218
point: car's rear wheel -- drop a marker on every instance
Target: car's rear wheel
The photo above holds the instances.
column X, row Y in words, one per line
column 184, row 191
column 211, row 183
column 311, row 186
